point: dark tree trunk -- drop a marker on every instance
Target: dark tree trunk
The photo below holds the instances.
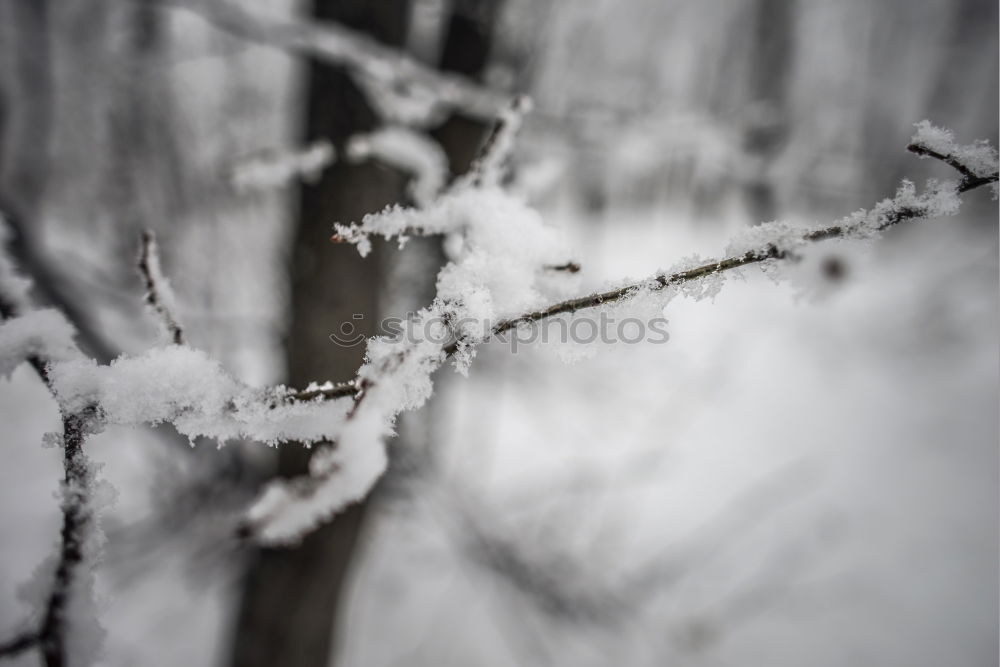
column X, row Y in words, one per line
column 468, row 42
column 293, row 598
column 767, row 128
column 288, row 611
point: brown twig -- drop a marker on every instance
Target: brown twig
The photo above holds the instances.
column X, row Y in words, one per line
column 970, row 179
column 19, row 644
column 149, row 267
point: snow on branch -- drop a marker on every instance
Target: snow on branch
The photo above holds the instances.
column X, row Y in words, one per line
column 43, row 338
column 976, row 162
column 403, row 89
column 275, row 169
column 498, row 279
column 493, row 273
column 488, row 167
column 159, row 295
column 409, row 151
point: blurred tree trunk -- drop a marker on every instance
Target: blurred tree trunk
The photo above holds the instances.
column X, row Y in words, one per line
column 290, row 597
column 26, row 105
column 468, row 42
column 293, row 597
column 768, row 122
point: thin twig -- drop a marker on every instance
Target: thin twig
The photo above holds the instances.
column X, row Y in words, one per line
column 663, row 281
column 156, row 286
column 970, row 179
column 19, row 644
column 51, row 286
column 568, row 267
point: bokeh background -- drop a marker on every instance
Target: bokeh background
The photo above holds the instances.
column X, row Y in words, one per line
column 806, row 473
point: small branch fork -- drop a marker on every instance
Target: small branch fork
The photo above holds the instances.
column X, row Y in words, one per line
column 970, row 179
column 768, row 252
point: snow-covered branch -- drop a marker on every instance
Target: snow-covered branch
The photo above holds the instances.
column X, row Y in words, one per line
column 497, row 280
column 495, row 270
column 403, row 89
column 977, row 162
column 42, row 338
column 274, row 169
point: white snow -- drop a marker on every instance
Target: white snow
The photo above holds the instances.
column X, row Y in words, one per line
column 980, row 157
column 187, row 388
column 279, row 168
column 44, row 333
column 408, row 150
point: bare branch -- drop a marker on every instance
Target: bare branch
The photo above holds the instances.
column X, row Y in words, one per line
column 363, row 56
column 19, row 644
column 157, row 288
column 488, row 165
column 568, row 267
column 970, row 179
column 50, row 286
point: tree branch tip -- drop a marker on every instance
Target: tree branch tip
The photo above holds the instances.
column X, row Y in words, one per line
column 568, row 267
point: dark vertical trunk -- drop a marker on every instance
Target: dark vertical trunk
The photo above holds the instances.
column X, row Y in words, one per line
column 288, row 611
column 768, row 124
column 468, row 42
column 26, row 106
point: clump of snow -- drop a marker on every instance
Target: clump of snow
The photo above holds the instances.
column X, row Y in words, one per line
column 784, row 237
column 498, row 254
column 409, row 151
column 187, row 388
column 277, row 169
column 45, row 334
column 979, row 156
column 939, row 199
column 340, row 474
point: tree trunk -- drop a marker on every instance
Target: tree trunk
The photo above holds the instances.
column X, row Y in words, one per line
column 768, row 126
column 290, row 597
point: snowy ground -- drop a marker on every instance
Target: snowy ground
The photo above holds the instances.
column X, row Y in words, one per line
column 806, row 473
